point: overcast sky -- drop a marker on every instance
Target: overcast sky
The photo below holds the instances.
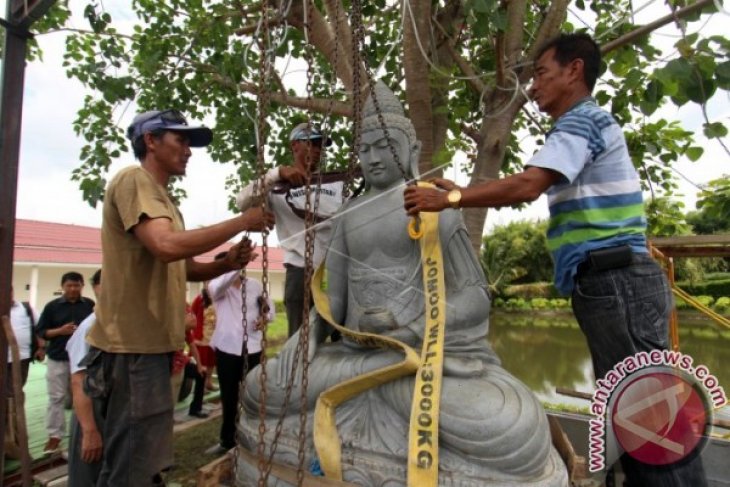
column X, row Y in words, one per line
column 49, row 147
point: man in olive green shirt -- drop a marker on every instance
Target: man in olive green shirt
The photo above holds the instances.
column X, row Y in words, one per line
column 147, row 258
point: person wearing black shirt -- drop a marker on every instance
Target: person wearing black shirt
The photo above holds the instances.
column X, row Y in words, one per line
column 59, row 320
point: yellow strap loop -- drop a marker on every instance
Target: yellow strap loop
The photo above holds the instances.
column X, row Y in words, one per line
column 326, row 439
column 423, row 458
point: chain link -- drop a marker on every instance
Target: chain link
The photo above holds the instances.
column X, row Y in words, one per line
column 309, row 238
column 356, row 41
column 359, row 43
column 262, row 107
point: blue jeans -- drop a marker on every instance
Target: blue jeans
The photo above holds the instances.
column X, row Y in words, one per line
column 621, row 312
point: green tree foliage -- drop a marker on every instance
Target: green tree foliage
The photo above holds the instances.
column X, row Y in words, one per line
column 713, row 205
column 461, row 66
column 712, row 217
column 516, row 253
column 703, row 223
column 665, row 217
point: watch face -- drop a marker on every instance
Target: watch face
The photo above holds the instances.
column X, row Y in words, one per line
column 454, row 197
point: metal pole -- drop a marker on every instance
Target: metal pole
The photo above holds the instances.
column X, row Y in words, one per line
column 11, row 109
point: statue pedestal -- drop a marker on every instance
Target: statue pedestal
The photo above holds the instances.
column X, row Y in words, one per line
column 374, row 452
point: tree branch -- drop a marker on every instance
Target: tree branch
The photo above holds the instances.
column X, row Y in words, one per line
column 472, row 133
column 85, row 31
column 340, row 42
column 251, row 28
column 648, row 28
column 464, row 65
column 548, row 28
column 318, row 105
column 513, row 40
column 416, row 45
column 322, row 37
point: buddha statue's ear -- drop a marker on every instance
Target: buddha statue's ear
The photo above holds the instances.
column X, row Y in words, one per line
column 415, row 158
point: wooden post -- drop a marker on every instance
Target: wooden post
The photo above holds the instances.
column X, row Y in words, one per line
column 20, row 14
column 20, row 427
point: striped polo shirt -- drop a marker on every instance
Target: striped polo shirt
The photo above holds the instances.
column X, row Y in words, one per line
column 598, row 202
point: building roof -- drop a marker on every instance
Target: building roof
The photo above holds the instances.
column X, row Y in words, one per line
column 59, row 243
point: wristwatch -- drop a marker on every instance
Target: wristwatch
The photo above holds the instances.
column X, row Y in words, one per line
column 454, row 198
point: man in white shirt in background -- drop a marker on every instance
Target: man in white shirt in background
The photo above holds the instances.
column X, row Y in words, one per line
column 30, row 347
column 85, row 446
column 228, row 341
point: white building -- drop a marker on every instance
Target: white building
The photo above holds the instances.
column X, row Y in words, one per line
column 44, row 251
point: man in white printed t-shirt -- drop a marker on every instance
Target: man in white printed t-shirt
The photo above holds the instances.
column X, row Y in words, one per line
column 285, row 188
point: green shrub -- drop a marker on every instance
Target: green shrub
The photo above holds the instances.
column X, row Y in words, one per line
column 682, row 304
column 279, row 306
column 559, row 303
column 722, row 305
column 533, row 290
column 716, row 276
column 516, row 303
column 716, row 289
column 705, row 300
column 539, row 303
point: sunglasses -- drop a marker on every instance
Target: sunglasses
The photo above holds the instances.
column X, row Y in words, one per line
column 313, row 142
column 171, row 117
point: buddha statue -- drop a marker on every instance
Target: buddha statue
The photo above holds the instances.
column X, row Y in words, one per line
column 492, row 430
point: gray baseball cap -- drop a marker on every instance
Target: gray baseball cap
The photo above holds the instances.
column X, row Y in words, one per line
column 168, row 120
column 306, row 131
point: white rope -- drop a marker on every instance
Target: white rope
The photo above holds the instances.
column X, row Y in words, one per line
column 721, row 9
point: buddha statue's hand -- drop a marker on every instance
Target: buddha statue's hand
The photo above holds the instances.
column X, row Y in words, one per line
column 288, row 353
column 463, row 367
column 378, row 321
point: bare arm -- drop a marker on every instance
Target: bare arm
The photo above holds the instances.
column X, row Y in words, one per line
column 245, row 199
column 168, row 245
column 238, row 257
column 63, row 330
column 202, row 370
column 217, row 287
column 518, row 188
column 91, row 443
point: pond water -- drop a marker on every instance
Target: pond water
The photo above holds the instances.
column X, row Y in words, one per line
column 547, row 351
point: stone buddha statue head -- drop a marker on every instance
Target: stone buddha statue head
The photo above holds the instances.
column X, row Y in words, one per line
column 380, row 169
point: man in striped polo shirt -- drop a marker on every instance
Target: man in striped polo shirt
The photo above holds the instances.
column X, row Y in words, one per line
column 620, row 296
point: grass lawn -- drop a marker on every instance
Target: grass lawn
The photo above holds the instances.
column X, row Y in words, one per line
column 190, row 446
column 276, row 334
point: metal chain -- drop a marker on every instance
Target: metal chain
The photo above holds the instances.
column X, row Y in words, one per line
column 262, row 107
column 357, row 35
column 308, row 244
column 360, row 43
column 309, row 238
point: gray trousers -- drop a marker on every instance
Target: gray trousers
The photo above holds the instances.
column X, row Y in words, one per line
column 58, row 376
column 294, row 297
column 622, row 312
column 133, row 396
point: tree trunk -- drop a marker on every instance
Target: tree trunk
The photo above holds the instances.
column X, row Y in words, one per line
column 418, row 76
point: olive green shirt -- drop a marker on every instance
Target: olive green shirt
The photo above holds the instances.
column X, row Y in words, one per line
column 142, row 305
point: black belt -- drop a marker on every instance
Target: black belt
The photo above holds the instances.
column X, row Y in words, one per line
column 605, row 259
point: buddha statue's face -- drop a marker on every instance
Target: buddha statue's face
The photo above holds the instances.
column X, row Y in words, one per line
column 379, row 167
